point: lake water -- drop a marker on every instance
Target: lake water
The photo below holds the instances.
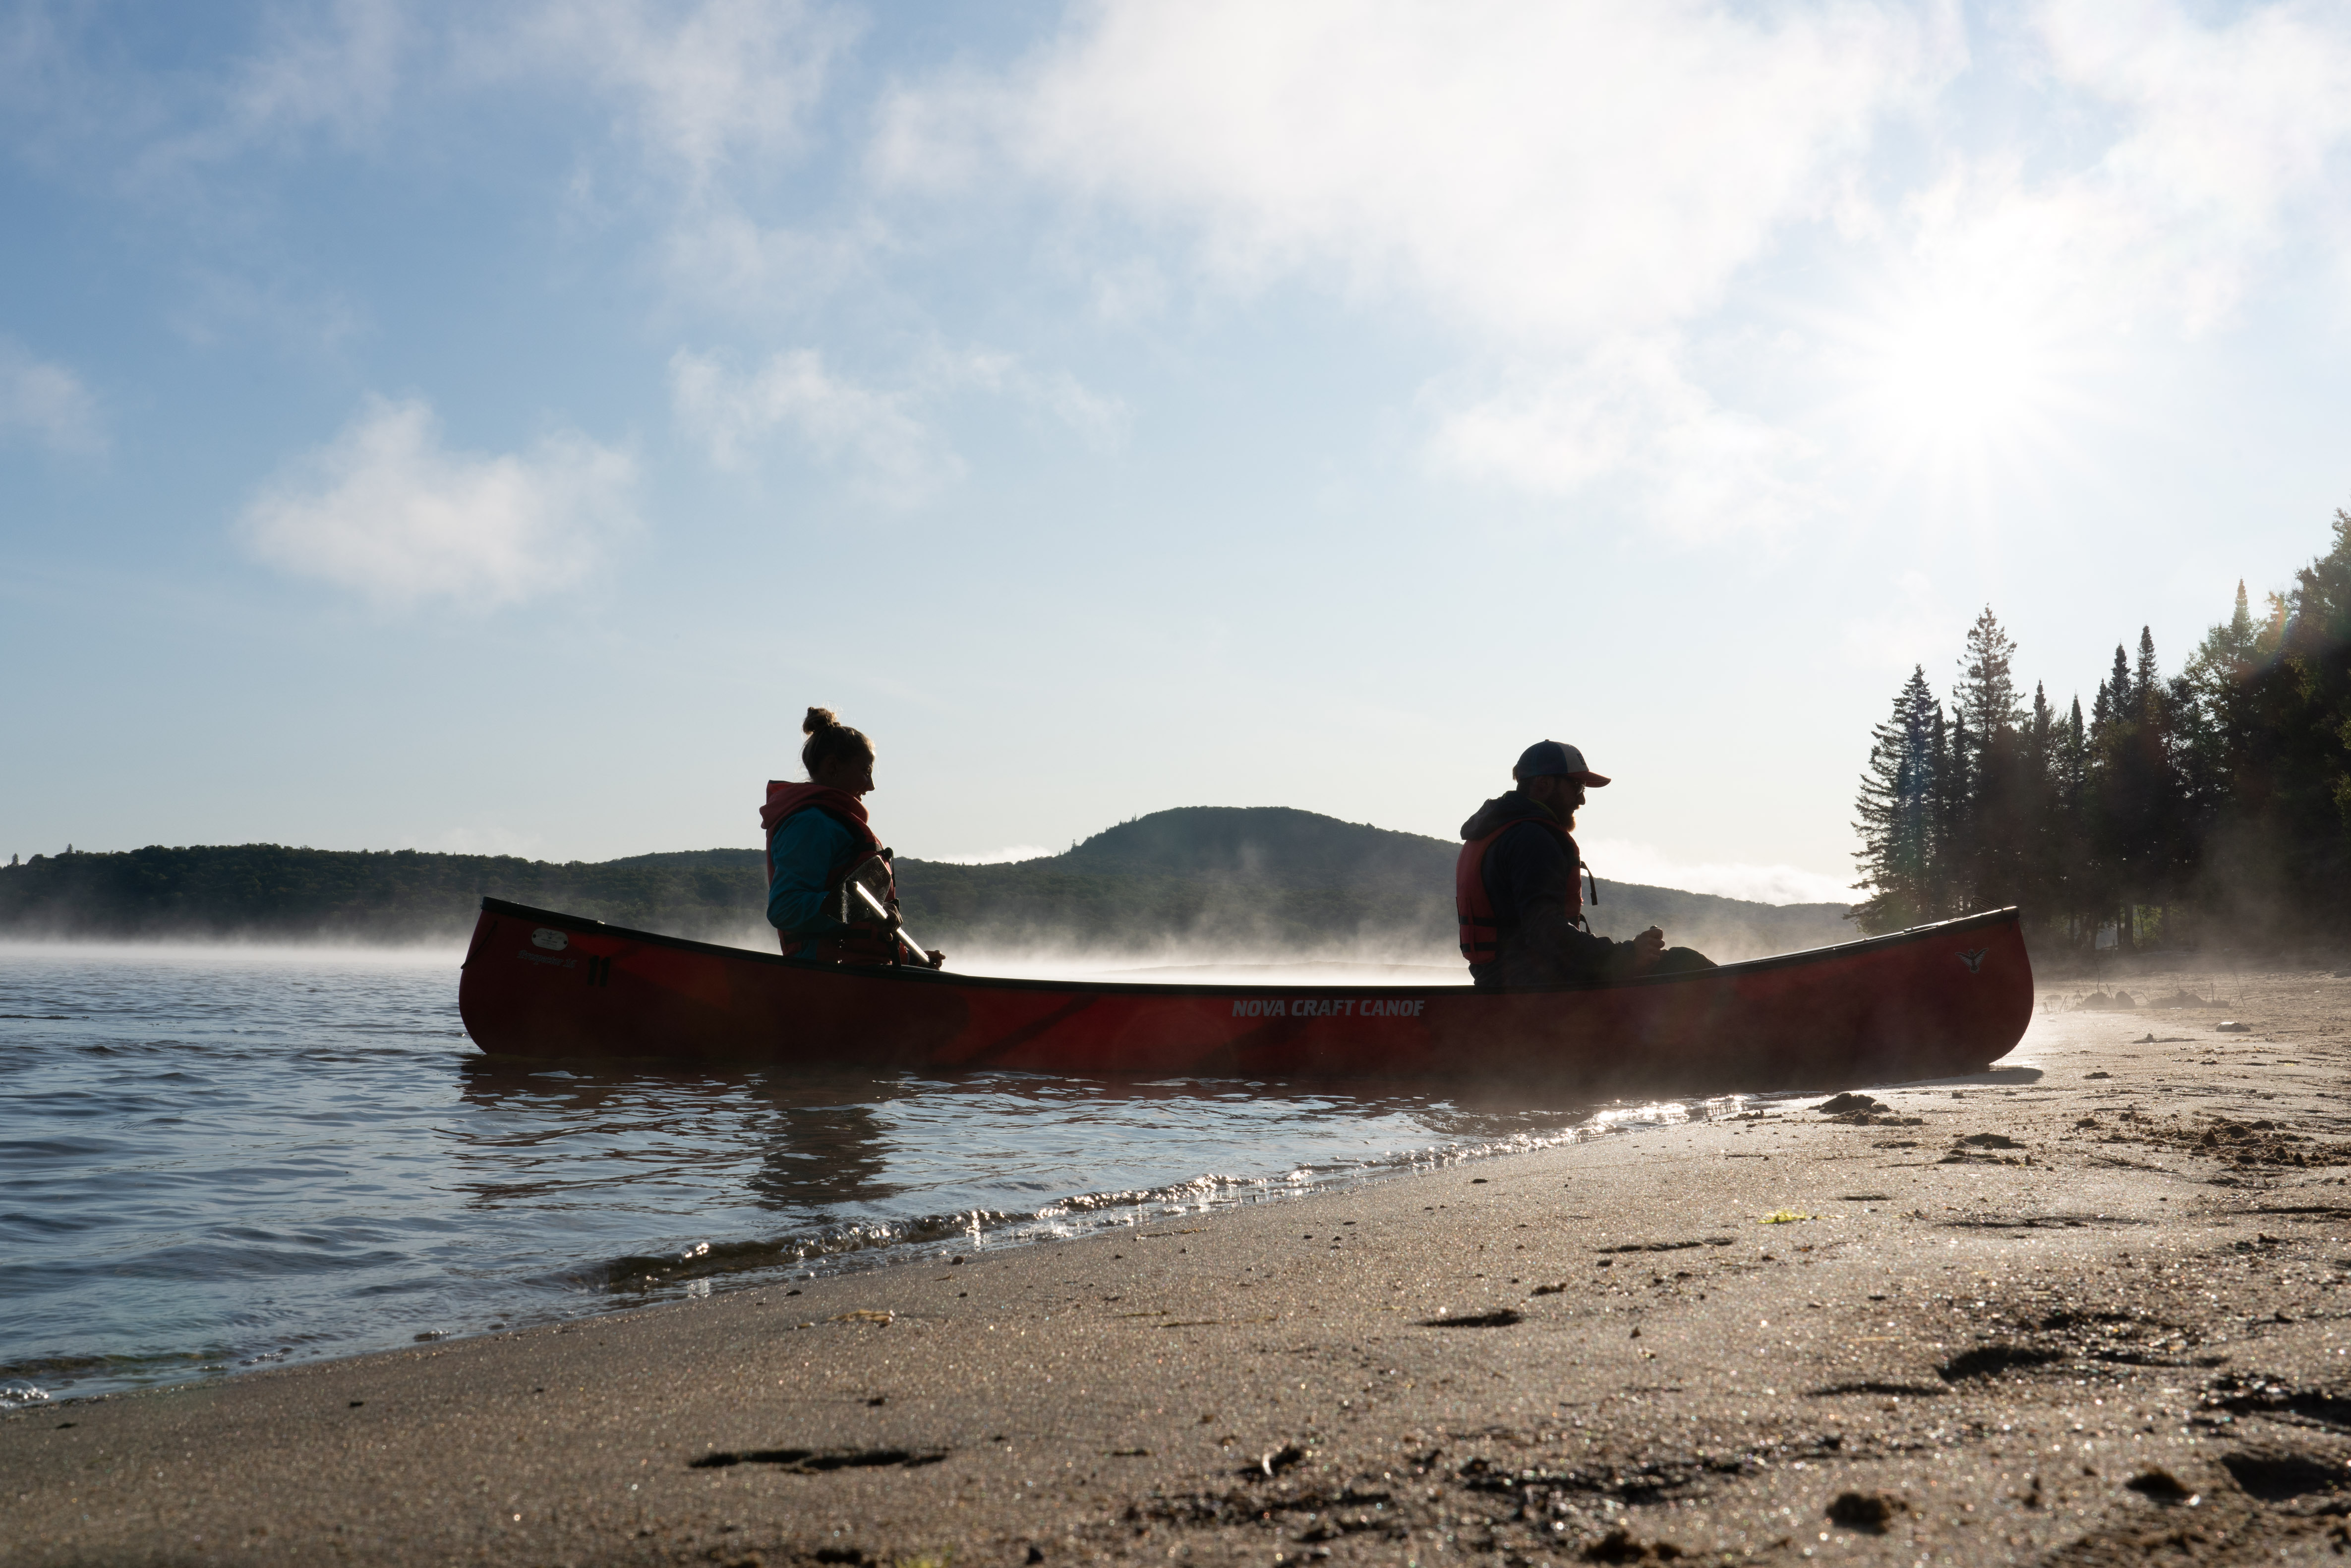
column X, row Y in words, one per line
column 217, row 1160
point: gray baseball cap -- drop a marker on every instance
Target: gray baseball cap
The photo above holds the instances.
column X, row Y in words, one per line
column 1555, row 759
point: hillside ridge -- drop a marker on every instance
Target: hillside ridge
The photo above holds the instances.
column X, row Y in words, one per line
column 1230, row 878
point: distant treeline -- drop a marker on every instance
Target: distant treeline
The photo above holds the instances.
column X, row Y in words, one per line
column 1267, row 881
column 2215, row 799
column 272, row 890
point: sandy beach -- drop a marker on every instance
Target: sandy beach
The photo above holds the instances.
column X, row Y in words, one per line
column 2088, row 1306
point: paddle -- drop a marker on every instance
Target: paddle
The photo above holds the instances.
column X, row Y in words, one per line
column 865, row 892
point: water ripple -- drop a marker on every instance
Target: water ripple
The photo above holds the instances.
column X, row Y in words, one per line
column 220, row 1159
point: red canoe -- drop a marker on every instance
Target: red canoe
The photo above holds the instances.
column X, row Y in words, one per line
column 1924, row 1003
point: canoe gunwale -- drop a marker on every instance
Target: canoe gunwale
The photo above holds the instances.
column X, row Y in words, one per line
column 910, row 975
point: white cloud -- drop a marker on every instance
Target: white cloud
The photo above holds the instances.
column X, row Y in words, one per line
column 878, row 434
column 718, row 256
column 47, row 401
column 1997, row 312
column 2229, row 144
column 1578, row 187
column 2231, row 128
column 1576, row 170
column 385, row 511
column 1099, row 420
column 714, row 101
column 221, row 306
column 1625, row 860
column 340, row 69
column 1626, row 414
column 1571, row 185
column 712, row 87
column 893, row 455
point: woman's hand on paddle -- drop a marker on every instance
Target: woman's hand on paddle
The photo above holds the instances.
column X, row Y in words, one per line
column 1647, row 948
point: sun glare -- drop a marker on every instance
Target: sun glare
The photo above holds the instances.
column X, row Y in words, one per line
column 1960, row 379
column 1956, row 374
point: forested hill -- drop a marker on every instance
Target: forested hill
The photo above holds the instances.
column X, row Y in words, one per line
column 1228, row 881
column 1270, row 846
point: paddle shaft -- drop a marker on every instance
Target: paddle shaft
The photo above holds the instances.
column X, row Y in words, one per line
column 874, row 903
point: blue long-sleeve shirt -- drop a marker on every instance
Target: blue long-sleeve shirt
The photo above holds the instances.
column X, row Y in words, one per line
column 805, row 847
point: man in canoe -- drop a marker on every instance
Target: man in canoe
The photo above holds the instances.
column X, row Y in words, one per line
column 1519, row 896
column 820, row 852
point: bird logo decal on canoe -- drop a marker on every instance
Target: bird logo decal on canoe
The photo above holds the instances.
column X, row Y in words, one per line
column 1973, row 959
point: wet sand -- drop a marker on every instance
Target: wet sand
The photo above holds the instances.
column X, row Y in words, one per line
column 2090, row 1306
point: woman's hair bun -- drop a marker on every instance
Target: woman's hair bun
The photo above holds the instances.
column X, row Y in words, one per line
column 828, row 737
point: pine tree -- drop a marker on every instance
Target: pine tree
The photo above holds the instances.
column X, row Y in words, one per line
column 2039, row 873
column 2223, row 660
column 1985, row 694
column 2077, row 897
column 2137, row 820
column 2115, row 701
column 2073, row 758
column 1953, row 844
column 2200, row 763
column 1894, row 813
column 2295, row 785
column 1993, row 828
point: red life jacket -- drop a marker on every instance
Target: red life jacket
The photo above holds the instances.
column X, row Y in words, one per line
column 867, row 940
column 1482, row 930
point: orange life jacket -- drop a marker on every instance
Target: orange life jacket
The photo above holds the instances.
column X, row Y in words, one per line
column 866, row 940
column 1482, row 930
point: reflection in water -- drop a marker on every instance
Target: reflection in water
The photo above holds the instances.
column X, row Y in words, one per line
column 848, row 1167
column 818, row 1156
column 826, row 1141
column 820, row 1139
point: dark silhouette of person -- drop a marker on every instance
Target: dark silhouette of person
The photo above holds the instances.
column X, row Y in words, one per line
column 821, row 851
column 1519, row 895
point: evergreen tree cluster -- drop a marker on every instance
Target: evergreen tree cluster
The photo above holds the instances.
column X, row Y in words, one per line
column 2216, row 798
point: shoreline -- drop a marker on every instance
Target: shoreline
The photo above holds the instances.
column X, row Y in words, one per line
column 2024, row 1315
column 1095, row 1214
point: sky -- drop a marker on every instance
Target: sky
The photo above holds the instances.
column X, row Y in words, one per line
column 488, row 429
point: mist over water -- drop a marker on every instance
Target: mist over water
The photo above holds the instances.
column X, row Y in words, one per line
column 1371, row 958
column 213, row 1159
column 1201, row 963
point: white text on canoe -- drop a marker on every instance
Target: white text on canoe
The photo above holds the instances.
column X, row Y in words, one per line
column 1347, row 1008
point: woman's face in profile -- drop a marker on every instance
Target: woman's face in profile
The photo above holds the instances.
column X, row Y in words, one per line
column 849, row 775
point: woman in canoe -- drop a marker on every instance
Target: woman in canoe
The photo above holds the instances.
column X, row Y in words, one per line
column 820, row 852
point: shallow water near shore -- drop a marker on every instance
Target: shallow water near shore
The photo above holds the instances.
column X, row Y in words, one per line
column 217, row 1160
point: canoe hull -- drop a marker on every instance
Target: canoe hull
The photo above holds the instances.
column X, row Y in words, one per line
column 1934, row 1001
